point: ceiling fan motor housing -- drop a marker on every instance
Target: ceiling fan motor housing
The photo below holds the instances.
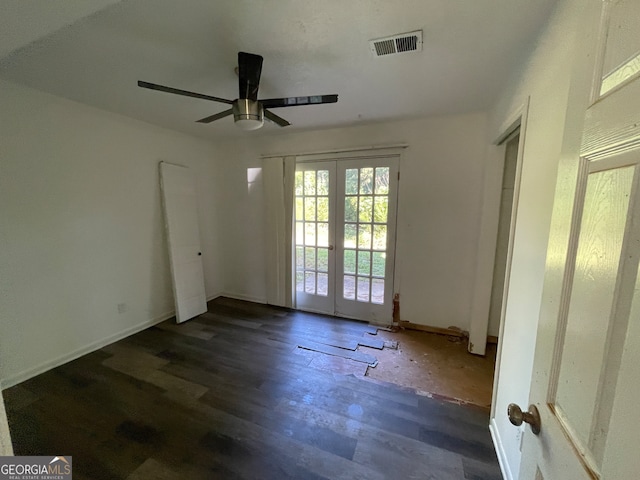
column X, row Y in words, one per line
column 248, row 114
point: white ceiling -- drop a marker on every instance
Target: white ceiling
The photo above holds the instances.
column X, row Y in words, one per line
column 94, row 51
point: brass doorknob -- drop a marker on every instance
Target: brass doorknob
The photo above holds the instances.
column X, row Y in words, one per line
column 517, row 416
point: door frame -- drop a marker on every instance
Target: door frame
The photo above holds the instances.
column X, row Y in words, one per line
column 517, row 121
column 490, row 218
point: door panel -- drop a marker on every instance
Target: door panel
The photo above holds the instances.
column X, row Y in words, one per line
column 180, row 203
column 584, row 355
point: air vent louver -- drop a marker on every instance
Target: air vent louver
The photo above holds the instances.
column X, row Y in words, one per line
column 405, row 42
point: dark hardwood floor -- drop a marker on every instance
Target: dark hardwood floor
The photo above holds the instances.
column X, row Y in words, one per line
column 229, row 395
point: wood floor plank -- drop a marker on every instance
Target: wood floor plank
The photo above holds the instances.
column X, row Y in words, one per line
column 339, row 352
column 191, row 329
column 343, row 366
column 395, row 455
column 368, row 341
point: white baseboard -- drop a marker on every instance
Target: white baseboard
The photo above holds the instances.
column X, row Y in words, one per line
column 499, row 447
column 92, row 347
column 241, row 296
column 214, row 296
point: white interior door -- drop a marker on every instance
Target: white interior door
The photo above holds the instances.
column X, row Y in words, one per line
column 345, row 222
column 180, row 202
column 586, row 379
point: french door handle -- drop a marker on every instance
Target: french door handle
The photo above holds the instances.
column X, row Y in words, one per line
column 330, row 247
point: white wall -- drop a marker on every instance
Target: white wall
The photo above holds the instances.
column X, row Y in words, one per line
column 545, row 78
column 439, row 206
column 82, row 230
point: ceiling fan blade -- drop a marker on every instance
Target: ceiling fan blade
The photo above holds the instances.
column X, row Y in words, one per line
column 295, row 101
column 249, row 71
column 217, row 116
column 276, row 119
column 162, row 88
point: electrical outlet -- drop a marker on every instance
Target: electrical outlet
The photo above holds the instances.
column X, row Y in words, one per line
column 122, row 307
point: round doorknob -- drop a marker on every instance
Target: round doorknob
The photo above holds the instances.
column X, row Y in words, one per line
column 330, row 247
column 517, row 416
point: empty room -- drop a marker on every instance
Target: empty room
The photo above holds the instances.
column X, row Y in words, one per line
column 224, row 225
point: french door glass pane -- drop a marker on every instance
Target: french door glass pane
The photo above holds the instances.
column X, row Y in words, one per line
column 379, row 237
column 378, row 264
column 350, row 234
column 363, row 289
column 377, row 290
column 310, row 282
column 364, row 209
column 364, row 236
column 323, row 209
column 382, row 181
column 310, row 182
column 364, row 262
column 323, row 234
column 323, row 182
column 366, row 181
column 349, row 261
column 380, row 209
column 323, row 284
column 310, row 209
column 310, row 258
column 323, row 259
column 309, row 233
column 351, row 181
column 351, row 209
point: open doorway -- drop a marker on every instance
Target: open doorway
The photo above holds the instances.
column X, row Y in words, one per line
column 504, row 231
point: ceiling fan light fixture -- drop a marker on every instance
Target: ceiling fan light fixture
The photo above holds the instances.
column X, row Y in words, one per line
column 248, row 114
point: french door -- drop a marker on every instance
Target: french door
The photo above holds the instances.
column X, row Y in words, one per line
column 345, row 223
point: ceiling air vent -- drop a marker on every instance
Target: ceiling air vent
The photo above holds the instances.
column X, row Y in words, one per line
column 405, row 42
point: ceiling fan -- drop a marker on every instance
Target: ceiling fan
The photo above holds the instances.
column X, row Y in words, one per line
column 248, row 112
